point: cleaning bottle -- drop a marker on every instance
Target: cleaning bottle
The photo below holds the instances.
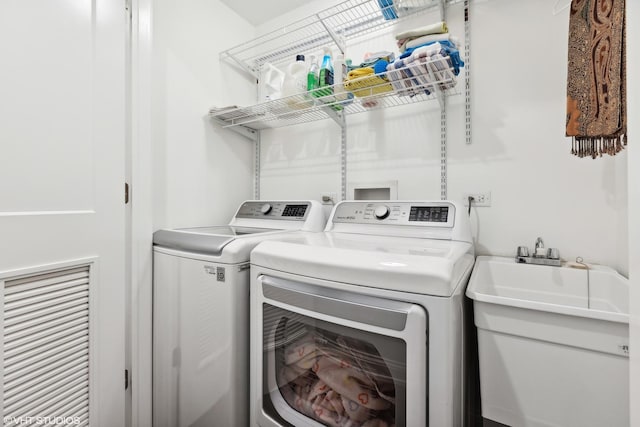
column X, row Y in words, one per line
column 313, row 75
column 272, row 79
column 295, row 80
column 326, row 78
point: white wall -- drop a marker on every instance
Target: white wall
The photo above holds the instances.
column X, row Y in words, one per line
column 201, row 172
column 633, row 67
column 186, row 170
column 519, row 151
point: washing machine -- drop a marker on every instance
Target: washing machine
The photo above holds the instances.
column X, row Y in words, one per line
column 201, row 312
column 363, row 325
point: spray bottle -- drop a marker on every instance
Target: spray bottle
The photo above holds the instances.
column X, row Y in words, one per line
column 313, row 75
column 326, row 77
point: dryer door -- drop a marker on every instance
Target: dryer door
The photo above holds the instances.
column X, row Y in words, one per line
column 341, row 359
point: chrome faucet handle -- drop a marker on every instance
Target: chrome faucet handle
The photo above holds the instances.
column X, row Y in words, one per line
column 523, row 251
column 553, row 253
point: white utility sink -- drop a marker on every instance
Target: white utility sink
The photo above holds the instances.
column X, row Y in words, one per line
column 553, row 343
column 501, row 280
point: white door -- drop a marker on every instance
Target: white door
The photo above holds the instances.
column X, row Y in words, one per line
column 62, row 212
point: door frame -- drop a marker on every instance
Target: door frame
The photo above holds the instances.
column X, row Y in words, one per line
column 139, row 243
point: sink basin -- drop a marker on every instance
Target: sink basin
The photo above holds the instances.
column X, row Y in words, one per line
column 501, row 280
column 553, row 343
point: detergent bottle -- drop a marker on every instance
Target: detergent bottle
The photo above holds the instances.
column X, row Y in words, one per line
column 295, row 80
column 271, row 82
column 325, row 82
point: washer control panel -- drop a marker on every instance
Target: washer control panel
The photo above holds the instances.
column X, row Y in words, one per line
column 293, row 211
column 429, row 214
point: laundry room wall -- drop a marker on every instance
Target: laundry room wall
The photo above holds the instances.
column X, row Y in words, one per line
column 201, row 173
column 519, row 152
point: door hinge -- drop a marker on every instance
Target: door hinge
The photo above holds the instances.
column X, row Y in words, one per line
column 126, row 193
column 126, row 379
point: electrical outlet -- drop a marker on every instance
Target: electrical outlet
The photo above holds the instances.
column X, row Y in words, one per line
column 328, row 198
column 479, row 199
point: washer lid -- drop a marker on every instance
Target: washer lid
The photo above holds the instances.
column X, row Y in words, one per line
column 422, row 266
column 206, row 240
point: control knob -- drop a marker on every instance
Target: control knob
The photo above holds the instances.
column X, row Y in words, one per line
column 381, row 212
column 265, row 209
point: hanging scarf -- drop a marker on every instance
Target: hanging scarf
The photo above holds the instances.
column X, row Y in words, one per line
column 596, row 80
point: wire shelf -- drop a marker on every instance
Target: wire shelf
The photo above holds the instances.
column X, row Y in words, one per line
column 330, row 27
column 418, row 82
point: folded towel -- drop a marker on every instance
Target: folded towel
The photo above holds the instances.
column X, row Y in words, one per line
column 448, row 48
column 433, row 65
column 403, row 44
column 425, row 68
column 403, row 79
column 364, row 82
column 436, row 28
column 373, row 58
column 455, row 42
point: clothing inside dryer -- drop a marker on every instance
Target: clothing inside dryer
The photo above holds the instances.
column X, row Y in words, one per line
column 338, row 376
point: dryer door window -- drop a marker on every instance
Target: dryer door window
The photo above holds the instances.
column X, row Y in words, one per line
column 322, row 368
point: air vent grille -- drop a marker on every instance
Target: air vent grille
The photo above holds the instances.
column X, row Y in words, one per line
column 46, row 348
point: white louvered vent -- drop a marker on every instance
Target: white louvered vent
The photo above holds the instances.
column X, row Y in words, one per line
column 46, row 348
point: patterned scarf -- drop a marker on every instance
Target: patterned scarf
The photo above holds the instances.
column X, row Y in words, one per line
column 596, row 80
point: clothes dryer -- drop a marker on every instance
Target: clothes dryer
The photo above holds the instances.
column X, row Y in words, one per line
column 363, row 325
column 201, row 312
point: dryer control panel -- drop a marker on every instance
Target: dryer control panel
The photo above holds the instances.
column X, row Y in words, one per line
column 422, row 214
column 292, row 211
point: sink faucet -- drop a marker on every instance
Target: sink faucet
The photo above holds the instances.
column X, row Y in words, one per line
column 539, row 257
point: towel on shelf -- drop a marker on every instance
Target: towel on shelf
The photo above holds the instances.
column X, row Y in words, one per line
column 425, row 68
column 403, row 79
column 364, row 82
column 435, row 28
column 405, row 37
column 453, row 41
column 431, row 38
column 420, row 67
column 448, row 48
column 435, row 59
column 596, row 117
column 374, row 58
